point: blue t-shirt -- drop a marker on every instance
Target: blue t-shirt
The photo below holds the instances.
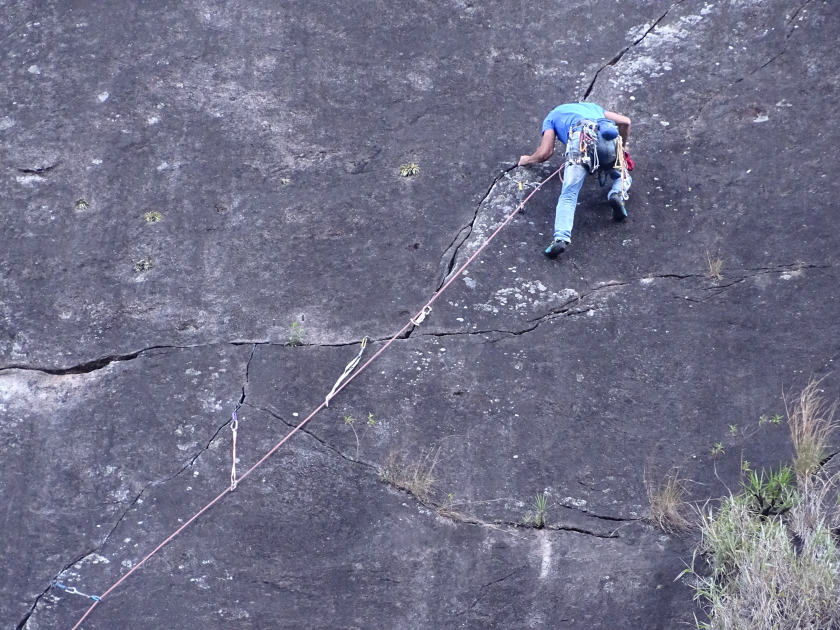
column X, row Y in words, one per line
column 563, row 117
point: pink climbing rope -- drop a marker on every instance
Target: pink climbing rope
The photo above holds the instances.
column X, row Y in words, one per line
column 423, row 311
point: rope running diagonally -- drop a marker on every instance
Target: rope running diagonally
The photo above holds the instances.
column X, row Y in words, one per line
column 319, row 407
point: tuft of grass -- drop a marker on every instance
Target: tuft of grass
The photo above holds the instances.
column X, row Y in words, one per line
column 811, row 422
column 416, row 477
column 771, row 551
column 768, row 572
column 350, row 421
column 665, row 503
column 537, row 515
column 81, row 204
column 409, row 170
column 152, row 217
column 143, row 265
column 717, row 450
column 715, row 267
column 296, row 335
column 774, row 419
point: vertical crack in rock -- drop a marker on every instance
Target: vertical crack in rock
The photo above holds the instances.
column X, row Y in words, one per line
column 582, row 277
column 458, row 241
column 795, row 14
column 788, row 35
column 621, row 54
column 227, row 423
column 696, row 118
column 22, row 624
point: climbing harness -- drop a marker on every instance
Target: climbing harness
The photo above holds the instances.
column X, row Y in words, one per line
column 583, row 152
column 342, row 382
column 74, row 591
column 350, row 367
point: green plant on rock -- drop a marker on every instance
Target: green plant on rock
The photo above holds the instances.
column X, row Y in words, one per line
column 537, row 515
column 771, row 552
column 409, row 170
column 765, row 419
column 350, row 422
column 152, row 217
column 296, row 335
column 773, row 495
column 143, row 265
column 774, row 571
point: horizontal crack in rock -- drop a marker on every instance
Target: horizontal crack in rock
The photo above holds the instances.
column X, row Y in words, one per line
column 98, row 364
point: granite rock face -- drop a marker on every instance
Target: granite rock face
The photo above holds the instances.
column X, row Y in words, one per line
column 202, row 207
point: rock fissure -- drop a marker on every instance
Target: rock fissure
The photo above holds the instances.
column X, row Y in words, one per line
column 624, row 51
column 40, row 170
column 227, row 423
column 788, row 35
column 22, row 624
column 442, row 510
column 96, row 364
column 31, row 610
column 796, row 13
column 101, row 363
column 719, row 91
column 580, row 530
column 137, row 498
column 582, row 277
column 322, row 442
column 483, row 590
column 457, row 242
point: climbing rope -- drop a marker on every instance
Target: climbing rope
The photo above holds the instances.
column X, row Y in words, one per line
column 342, row 382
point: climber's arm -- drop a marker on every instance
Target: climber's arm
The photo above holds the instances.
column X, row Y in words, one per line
column 623, row 124
column 543, row 152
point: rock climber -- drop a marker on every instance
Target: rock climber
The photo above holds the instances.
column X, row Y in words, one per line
column 596, row 141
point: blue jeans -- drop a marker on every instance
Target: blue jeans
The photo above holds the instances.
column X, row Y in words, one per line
column 572, row 181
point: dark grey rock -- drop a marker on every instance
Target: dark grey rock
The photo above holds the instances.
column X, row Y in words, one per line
column 182, row 182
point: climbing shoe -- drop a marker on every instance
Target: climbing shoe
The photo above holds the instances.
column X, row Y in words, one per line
column 619, row 211
column 557, row 247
